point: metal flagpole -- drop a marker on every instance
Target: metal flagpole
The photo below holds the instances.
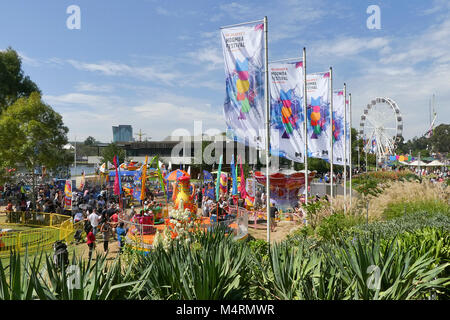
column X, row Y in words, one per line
column 331, row 138
column 365, row 153
column 266, row 97
column 244, row 23
column 288, row 59
column 75, row 158
column 305, row 103
column 345, row 148
column 350, row 145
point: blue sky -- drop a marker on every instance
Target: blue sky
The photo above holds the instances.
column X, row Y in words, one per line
column 158, row 65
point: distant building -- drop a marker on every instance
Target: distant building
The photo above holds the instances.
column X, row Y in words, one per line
column 122, row 133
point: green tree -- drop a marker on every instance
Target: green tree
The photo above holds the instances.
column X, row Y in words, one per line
column 108, row 153
column 440, row 139
column 90, row 141
column 32, row 134
column 13, row 83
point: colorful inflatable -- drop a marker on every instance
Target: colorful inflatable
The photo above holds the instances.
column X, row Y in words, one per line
column 181, row 196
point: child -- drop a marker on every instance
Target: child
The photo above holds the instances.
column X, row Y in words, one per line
column 90, row 241
column 121, row 232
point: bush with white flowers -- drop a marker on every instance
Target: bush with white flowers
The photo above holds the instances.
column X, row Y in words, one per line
column 182, row 223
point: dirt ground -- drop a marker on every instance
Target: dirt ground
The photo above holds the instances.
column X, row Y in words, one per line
column 280, row 232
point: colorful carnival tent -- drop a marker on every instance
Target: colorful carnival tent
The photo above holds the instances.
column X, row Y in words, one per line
column 285, row 185
column 174, row 175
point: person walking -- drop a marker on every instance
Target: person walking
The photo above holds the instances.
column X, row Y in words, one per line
column 105, row 229
column 90, row 241
column 121, row 232
column 273, row 215
column 94, row 219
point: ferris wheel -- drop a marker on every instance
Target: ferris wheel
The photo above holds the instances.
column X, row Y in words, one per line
column 381, row 126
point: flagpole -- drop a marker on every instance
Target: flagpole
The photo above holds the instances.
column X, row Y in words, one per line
column 331, row 138
column 244, row 23
column 266, row 97
column 75, row 158
column 350, row 145
column 305, row 109
column 345, row 148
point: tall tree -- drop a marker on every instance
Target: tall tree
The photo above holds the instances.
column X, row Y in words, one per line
column 13, row 83
column 440, row 139
column 110, row 151
column 32, row 134
column 90, row 141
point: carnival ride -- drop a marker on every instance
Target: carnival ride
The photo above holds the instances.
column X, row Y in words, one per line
column 145, row 227
column 381, row 126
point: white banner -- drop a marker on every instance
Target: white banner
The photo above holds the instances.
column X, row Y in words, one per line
column 286, row 109
column 348, row 132
column 250, row 187
column 318, row 120
column 244, row 69
column 338, row 127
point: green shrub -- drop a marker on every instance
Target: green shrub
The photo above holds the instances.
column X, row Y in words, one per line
column 398, row 209
column 335, row 224
column 211, row 271
column 407, row 223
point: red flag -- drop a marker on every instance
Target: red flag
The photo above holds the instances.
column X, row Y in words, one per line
column 116, row 181
column 242, row 186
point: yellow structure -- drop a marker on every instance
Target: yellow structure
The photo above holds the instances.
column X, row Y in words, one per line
column 44, row 229
column 181, row 195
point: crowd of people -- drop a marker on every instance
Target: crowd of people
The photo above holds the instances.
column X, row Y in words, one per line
column 94, row 210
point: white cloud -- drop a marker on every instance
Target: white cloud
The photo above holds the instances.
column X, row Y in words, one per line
column 163, row 12
column 210, row 57
column 92, row 87
column 28, row 60
column 350, row 46
column 157, row 114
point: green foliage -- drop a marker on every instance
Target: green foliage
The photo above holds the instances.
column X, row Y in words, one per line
column 108, row 153
column 312, row 211
column 397, row 209
column 32, row 133
column 367, row 186
column 412, row 263
column 211, row 271
column 438, row 142
column 13, row 83
column 406, row 223
column 41, row 279
column 90, row 141
column 336, row 224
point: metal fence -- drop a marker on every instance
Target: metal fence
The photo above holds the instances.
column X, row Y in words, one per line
column 43, row 229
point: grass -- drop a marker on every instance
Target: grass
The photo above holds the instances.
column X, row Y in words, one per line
column 398, row 209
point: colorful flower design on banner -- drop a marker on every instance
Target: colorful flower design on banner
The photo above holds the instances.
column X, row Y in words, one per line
column 242, row 88
column 338, row 127
column 318, row 117
column 287, row 114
